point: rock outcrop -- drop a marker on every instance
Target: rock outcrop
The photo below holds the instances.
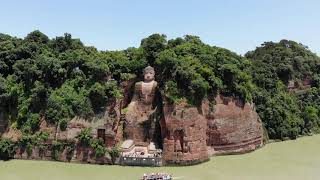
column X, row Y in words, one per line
column 184, row 135
column 190, row 134
column 103, row 126
column 223, row 126
column 233, row 127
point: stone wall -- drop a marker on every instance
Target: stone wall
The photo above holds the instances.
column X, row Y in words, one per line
column 233, row 127
column 184, row 135
column 80, row 155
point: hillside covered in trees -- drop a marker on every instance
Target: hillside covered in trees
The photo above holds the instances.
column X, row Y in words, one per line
column 286, row 76
column 57, row 79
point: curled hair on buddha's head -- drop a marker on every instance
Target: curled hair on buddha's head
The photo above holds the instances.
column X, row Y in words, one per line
column 147, row 69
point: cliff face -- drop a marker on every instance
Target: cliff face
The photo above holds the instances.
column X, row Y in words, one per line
column 3, row 122
column 233, row 127
column 184, row 135
column 103, row 125
column 191, row 134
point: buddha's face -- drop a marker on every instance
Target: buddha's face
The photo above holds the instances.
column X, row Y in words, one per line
column 148, row 76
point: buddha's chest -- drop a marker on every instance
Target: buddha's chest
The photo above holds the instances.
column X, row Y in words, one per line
column 147, row 92
column 146, row 88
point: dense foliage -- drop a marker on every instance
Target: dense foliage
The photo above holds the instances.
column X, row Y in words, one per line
column 193, row 70
column 7, row 149
column 57, row 79
column 86, row 140
column 283, row 72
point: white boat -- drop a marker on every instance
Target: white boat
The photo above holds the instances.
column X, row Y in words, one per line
column 157, row 176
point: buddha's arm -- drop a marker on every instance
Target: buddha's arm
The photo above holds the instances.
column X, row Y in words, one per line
column 157, row 98
column 135, row 96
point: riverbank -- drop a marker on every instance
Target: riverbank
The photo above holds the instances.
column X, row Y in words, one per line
column 288, row 160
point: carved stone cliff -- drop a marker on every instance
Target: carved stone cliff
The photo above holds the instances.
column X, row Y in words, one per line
column 191, row 134
column 141, row 122
column 233, row 127
column 184, row 135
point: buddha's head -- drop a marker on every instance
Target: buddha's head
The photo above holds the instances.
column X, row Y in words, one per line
column 148, row 74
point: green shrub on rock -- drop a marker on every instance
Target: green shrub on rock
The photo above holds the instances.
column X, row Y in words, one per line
column 56, row 149
column 98, row 147
column 114, row 152
column 63, row 124
column 7, row 149
column 85, row 137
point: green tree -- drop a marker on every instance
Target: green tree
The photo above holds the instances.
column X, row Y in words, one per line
column 114, row 152
column 281, row 116
column 99, row 148
column 85, row 137
column 153, row 45
column 7, row 149
column 311, row 119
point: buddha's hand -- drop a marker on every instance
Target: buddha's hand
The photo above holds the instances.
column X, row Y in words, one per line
column 153, row 112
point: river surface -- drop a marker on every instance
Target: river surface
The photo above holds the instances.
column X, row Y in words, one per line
column 288, row 160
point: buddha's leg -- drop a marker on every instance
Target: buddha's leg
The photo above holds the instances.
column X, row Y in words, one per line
column 131, row 118
column 146, row 131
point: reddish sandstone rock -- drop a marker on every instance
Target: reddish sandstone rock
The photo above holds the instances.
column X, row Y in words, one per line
column 184, row 135
column 233, row 127
column 140, row 118
column 103, row 126
column 12, row 133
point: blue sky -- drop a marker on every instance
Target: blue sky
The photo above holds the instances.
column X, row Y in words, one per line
column 239, row 25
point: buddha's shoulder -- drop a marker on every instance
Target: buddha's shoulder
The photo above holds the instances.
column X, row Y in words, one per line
column 139, row 83
column 155, row 83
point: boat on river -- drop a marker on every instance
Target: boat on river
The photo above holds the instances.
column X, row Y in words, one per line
column 157, row 176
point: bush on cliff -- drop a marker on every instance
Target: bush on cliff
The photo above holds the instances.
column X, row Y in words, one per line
column 114, row 152
column 309, row 103
column 7, row 149
column 85, row 137
column 98, row 147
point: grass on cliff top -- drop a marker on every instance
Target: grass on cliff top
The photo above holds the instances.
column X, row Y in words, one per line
column 289, row 160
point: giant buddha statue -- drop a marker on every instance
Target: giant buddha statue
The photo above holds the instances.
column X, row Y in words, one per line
column 141, row 112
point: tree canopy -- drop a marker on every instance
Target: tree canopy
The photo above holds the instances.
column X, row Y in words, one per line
column 274, row 65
